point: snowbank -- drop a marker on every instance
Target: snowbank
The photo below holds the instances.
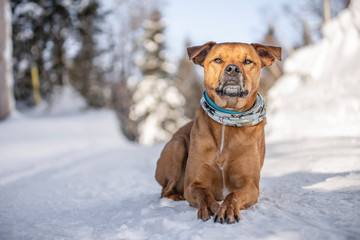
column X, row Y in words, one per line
column 65, row 100
column 319, row 94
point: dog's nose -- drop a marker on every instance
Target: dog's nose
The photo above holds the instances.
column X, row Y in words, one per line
column 233, row 70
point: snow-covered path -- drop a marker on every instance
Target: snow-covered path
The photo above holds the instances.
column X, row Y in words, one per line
column 73, row 177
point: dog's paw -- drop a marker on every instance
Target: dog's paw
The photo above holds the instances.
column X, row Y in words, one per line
column 228, row 213
column 205, row 211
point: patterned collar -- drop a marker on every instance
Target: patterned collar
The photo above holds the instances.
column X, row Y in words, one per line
column 227, row 117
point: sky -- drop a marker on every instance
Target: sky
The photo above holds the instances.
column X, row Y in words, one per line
column 201, row 21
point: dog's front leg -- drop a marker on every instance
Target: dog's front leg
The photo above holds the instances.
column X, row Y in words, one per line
column 229, row 211
column 204, row 200
column 197, row 190
column 243, row 180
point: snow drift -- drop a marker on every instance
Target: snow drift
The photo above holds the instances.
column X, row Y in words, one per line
column 319, row 94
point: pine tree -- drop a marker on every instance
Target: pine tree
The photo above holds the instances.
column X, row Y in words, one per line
column 85, row 75
column 40, row 29
column 158, row 105
column 188, row 82
column 130, row 17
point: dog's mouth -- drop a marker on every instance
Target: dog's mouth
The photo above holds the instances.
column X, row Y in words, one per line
column 231, row 88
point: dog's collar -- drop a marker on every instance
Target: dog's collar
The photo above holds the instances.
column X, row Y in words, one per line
column 227, row 117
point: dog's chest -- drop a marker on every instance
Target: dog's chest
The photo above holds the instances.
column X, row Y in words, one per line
column 220, row 159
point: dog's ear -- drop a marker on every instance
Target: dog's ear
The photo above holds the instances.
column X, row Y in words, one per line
column 198, row 53
column 268, row 54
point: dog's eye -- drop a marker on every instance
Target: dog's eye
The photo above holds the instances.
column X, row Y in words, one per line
column 218, row 60
column 247, row 61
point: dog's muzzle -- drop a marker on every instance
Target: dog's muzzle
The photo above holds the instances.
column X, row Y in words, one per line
column 232, row 83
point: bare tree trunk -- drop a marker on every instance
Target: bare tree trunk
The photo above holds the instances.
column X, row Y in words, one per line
column 132, row 15
column 5, row 59
column 122, row 101
column 327, row 11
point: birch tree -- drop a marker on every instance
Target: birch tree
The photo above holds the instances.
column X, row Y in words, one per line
column 5, row 59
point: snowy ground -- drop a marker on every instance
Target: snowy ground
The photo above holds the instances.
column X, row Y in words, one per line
column 72, row 177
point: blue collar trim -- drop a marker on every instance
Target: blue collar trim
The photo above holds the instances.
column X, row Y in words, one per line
column 226, row 117
column 216, row 107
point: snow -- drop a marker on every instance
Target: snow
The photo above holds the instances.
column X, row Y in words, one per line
column 69, row 174
column 151, row 46
column 160, row 104
column 31, row 8
column 66, row 100
column 72, row 176
column 320, row 89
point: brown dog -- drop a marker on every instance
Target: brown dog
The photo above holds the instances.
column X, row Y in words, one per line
column 213, row 158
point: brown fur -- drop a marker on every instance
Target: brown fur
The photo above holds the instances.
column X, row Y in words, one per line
column 192, row 166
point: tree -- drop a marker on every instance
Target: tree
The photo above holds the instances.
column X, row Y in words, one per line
column 87, row 77
column 188, row 82
column 5, row 60
column 122, row 102
column 270, row 74
column 309, row 16
column 158, row 105
column 40, row 30
column 130, row 16
column 306, row 18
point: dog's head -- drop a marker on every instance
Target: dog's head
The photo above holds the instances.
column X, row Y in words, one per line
column 232, row 70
